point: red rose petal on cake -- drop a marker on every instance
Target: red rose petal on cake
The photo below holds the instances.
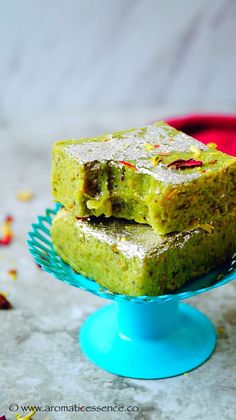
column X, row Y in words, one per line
column 184, row 164
column 124, row 162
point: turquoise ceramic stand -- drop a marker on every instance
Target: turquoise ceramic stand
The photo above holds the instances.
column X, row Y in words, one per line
column 148, row 341
column 138, row 337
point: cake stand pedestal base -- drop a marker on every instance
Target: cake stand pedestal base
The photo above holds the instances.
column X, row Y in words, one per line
column 148, row 340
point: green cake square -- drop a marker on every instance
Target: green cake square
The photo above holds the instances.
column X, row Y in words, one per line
column 130, row 258
column 154, row 175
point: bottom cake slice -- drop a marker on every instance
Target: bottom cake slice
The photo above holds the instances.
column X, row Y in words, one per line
column 131, row 259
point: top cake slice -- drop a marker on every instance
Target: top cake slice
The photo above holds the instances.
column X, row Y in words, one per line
column 155, row 175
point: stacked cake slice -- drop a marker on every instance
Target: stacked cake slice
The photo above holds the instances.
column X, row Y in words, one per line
column 144, row 209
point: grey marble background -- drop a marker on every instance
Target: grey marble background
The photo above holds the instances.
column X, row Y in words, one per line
column 40, row 361
column 67, row 55
column 78, row 68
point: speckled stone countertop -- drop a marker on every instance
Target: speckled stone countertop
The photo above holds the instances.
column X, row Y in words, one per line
column 40, row 361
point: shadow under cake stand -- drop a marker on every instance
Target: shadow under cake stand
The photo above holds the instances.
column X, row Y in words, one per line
column 138, row 337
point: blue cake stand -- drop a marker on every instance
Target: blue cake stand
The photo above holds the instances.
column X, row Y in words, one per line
column 138, row 337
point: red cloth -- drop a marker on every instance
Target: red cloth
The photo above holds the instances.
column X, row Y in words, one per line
column 219, row 129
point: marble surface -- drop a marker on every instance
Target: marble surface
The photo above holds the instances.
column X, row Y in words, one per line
column 40, row 361
column 69, row 55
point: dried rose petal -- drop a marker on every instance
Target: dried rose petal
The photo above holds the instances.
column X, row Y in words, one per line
column 6, row 240
column 7, row 231
column 12, row 273
column 184, row 164
column 123, row 162
column 3, row 418
column 4, row 303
